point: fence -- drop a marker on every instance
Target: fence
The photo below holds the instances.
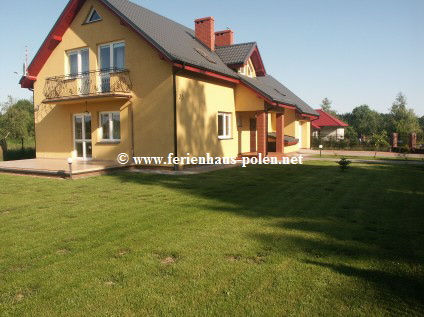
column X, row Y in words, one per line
column 366, row 144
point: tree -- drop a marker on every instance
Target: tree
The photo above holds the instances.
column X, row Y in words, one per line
column 350, row 133
column 403, row 119
column 16, row 121
column 421, row 122
column 326, row 107
column 366, row 121
column 379, row 140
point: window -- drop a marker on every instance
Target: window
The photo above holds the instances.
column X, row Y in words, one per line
column 77, row 68
column 94, row 16
column 112, row 56
column 78, row 62
column 224, row 125
column 239, row 121
column 110, row 126
column 248, row 69
column 112, row 59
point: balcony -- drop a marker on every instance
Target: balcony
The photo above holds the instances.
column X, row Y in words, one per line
column 105, row 83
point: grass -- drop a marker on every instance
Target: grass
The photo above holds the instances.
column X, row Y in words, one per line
column 394, row 158
column 257, row 241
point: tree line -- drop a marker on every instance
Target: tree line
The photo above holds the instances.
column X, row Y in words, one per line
column 16, row 122
column 366, row 123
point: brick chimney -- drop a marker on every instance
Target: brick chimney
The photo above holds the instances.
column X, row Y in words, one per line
column 205, row 29
column 224, row 38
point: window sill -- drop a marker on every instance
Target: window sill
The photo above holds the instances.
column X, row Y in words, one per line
column 108, row 142
column 225, row 138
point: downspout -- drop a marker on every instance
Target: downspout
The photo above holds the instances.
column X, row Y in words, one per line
column 33, row 103
column 132, row 129
column 174, row 80
column 266, row 129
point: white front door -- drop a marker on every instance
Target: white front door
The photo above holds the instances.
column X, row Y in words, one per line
column 300, row 135
column 82, row 136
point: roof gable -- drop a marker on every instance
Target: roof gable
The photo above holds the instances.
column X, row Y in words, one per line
column 327, row 120
column 237, row 55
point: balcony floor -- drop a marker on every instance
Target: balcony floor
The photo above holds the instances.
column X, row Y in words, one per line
column 97, row 97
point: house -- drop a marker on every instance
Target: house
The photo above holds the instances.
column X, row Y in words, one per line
column 113, row 77
column 328, row 127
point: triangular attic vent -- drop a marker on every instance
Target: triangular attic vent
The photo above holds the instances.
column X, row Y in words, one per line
column 94, row 16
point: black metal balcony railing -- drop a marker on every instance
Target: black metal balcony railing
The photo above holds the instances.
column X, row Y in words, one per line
column 96, row 82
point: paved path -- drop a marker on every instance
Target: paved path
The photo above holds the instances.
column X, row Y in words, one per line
column 358, row 153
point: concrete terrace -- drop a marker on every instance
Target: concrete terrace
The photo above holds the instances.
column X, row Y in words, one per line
column 57, row 167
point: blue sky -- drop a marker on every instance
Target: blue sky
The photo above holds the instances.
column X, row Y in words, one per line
column 352, row 51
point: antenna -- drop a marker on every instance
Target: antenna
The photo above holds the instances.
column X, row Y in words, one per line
column 26, row 62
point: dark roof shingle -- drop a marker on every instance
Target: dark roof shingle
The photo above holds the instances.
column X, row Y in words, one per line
column 276, row 91
column 235, row 54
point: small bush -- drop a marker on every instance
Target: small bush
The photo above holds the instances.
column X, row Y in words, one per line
column 344, row 164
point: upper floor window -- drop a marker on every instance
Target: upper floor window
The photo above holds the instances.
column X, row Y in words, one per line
column 248, row 69
column 112, row 56
column 94, row 16
column 78, row 62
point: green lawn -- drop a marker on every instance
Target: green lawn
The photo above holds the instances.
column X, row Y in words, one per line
column 394, row 158
column 258, row 241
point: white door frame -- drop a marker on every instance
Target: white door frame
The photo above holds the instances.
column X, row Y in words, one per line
column 83, row 80
column 107, row 75
column 84, row 139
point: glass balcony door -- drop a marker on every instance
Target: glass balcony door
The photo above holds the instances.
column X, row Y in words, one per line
column 112, row 59
column 79, row 70
column 82, row 136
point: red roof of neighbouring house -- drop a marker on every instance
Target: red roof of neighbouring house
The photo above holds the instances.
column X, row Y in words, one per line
column 314, row 125
column 327, row 120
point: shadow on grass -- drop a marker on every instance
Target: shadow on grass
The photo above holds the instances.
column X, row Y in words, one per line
column 372, row 214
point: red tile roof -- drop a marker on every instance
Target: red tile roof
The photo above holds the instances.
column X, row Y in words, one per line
column 314, row 125
column 327, row 120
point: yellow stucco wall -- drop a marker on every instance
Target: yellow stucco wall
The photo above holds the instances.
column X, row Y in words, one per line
column 244, row 130
column 247, row 100
column 152, row 93
column 199, row 100
column 306, row 129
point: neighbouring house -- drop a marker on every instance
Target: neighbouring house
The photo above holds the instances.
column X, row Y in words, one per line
column 328, row 127
column 113, row 77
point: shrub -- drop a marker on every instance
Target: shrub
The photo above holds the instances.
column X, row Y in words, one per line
column 19, row 154
column 344, row 164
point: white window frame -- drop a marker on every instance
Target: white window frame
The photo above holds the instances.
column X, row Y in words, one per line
column 226, row 117
column 112, row 66
column 248, row 69
column 79, row 57
column 110, row 114
column 90, row 14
